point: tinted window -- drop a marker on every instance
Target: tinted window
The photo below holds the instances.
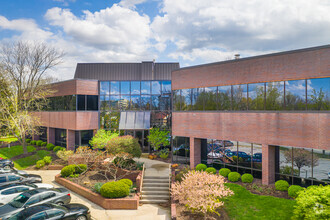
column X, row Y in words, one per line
column 165, row 103
column 104, row 105
column 3, row 179
column 295, row 95
column 197, row 99
column 239, row 97
column 124, row 102
column 224, row 97
column 135, row 102
column 33, row 200
column 38, row 216
column 176, row 100
column 21, row 189
column 135, row 87
column 105, row 88
column 145, row 102
column 114, row 88
column 166, row 87
column 257, row 96
column 156, row 87
column 210, row 98
column 54, row 213
column 81, row 102
column 145, row 87
column 13, row 178
column 318, row 94
column 47, row 195
column 92, row 102
column 155, row 102
column 114, row 102
column 275, row 96
column 8, row 191
column 186, row 95
column 125, row 87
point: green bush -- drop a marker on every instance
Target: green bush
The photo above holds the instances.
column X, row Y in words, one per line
column 294, row 190
column 50, row 146
column 97, row 187
column 74, row 175
column 211, row 170
column 79, row 169
column 179, row 176
column 313, row 203
column 114, row 190
column 58, row 148
column 38, row 143
column 124, row 144
column 200, row 167
column 43, row 144
column 234, row 176
column 28, row 140
column 281, row 185
column 224, row 172
column 33, row 142
column 40, row 163
column 47, row 159
column 128, row 182
column 68, row 170
column 247, row 178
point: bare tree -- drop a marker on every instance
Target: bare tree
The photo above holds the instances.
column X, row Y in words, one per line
column 300, row 158
column 24, row 66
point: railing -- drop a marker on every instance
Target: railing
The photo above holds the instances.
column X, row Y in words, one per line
column 143, row 167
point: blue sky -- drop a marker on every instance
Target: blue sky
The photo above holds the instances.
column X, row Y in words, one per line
column 188, row 31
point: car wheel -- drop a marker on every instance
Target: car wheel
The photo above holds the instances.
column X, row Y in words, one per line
column 81, row 217
column 60, row 203
column 7, row 167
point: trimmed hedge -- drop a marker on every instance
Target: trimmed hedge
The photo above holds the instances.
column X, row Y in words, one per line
column 38, row 143
column 28, row 140
column 114, row 190
column 40, row 163
column 50, row 146
column 33, row 142
column 43, row 144
column 58, row 148
column 128, row 182
column 281, row 185
column 234, row 176
column 294, row 190
column 201, row 167
column 247, row 178
column 224, row 172
column 68, row 170
column 211, row 170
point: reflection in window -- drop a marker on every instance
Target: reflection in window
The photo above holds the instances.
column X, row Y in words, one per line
column 177, row 99
column 135, row 102
column 114, row 88
column 318, row 94
column 124, row 87
column 197, row 100
column 104, row 87
column 145, row 102
column 256, row 96
column 210, row 98
column 135, row 87
column 114, row 120
column 166, row 87
column 165, row 103
column 239, row 97
column 70, row 103
column 114, row 102
column 155, row 102
column 275, row 96
column 156, row 87
column 295, row 95
column 145, row 87
column 105, row 120
column 81, row 102
column 124, row 102
column 186, row 95
column 104, row 105
column 224, row 97
column 92, row 102
column 321, row 167
column 181, row 150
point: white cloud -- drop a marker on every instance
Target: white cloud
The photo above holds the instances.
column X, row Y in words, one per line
column 131, row 3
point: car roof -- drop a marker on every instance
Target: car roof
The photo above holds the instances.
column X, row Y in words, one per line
column 37, row 208
column 10, row 185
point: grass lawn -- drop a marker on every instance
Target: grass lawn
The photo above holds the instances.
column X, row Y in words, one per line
column 8, row 139
column 245, row 205
column 30, row 160
column 13, row 151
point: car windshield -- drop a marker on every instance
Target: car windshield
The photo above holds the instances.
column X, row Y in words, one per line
column 19, row 201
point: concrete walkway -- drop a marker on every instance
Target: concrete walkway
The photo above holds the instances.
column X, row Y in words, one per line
column 144, row 212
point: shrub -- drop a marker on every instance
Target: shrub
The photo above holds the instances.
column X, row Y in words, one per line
column 234, row 176
column 101, row 138
column 33, row 142
column 294, row 190
column 247, row 178
column 47, row 159
column 200, row 167
column 43, row 144
column 28, row 140
column 211, row 170
column 97, row 187
column 313, row 203
column 50, row 146
column 74, row 175
column 79, row 169
column 224, row 172
column 163, row 153
column 124, row 144
column 40, row 163
column 38, row 143
column 64, row 154
column 58, row 148
column 201, row 191
column 114, row 190
column 281, row 185
column 180, row 175
column 68, row 170
column 128, row 182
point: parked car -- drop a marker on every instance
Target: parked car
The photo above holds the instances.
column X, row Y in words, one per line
column 9, row 192
column 239, row 153
column 16, row 178
column 7, row 164
column 59, row 196
column 13, row 170
column 54, row 212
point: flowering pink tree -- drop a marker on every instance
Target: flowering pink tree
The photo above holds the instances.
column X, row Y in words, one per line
column 201, row 192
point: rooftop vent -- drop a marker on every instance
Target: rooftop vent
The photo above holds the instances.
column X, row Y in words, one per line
column 237, row 56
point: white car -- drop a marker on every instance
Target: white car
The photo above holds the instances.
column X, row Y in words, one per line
column 10, row 191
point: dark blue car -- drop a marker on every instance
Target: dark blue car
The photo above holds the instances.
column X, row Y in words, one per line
column 240, row 154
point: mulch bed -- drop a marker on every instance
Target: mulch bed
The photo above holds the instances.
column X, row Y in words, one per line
column 89, row 179
column 183, row 214
column 22, row 156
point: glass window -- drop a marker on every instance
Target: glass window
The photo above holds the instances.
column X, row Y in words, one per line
column 70, row 103
column 105, row 103
column 59, row 103
column 295, row 95
column 145, row 102
column 38, row 216
column 176, row 100
column 3, row 179
column 81, row 102
column 21, row 189
column 92, row 102
column 86, row 136
column 145, row 87
column 318, row 94
column 8, row 191
column 60, row 137
column 239, row 97
column 197, row 99
column 210, row 98
column 186, row 96
column 124, row 102
column 181, row 150
column 13, row 178
column 114, row 88
column 135, row 102
column 156, row 87
column 33, row 200
column 165, row 103
column 114, row 102
column 105, row 88
column 166, row 87
column 245, row 156
column 125, row 88
column 105, row 120
column 321, row 164
column 54, row 213
column 114, row 120
column 256, row 96
column 224, row 97
column 135, row 87
column 155, row 102
column 275, row 96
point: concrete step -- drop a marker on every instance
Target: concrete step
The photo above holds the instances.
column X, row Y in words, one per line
column 155, row 184
column 159, row 189
column 156, row 177
column 155, row 181
column 156, row 197
column 144, row 192
column 147, row 201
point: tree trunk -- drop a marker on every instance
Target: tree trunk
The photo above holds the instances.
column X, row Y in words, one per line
column 24, row 146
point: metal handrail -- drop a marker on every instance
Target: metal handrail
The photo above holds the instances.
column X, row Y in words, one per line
column 143, row 167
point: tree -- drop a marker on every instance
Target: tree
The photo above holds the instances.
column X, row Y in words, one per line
column 24, row 66
column 301, row 157
column 101, row 138
column 124, row 144
column 158, row 138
